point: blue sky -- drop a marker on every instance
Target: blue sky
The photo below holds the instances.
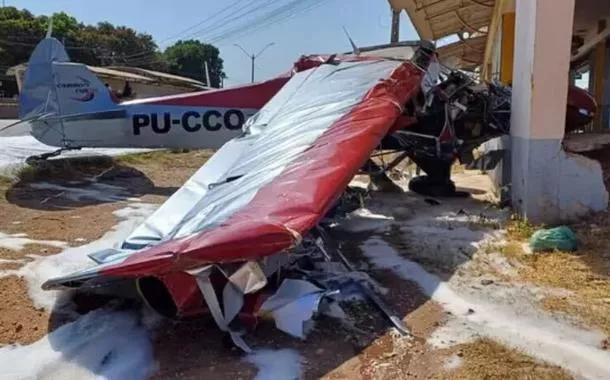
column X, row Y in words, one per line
column 318, row 30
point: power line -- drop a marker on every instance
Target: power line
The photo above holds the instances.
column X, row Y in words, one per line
column 245, row 10
column 238, row 14
column 277, row 16
column 215, row 24
column 9, row 42
column 272, row 17
column 177, row 35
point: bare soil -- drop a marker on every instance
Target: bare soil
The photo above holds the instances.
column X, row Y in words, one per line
column 197, row 349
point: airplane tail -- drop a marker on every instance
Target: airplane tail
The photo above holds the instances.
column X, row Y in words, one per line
column 54, row 86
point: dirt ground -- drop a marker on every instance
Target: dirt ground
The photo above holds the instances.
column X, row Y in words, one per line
column 197, row 349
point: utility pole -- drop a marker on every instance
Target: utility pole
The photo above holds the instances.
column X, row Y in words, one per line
column 207, row 74
column 254, row 56
column 395, row 26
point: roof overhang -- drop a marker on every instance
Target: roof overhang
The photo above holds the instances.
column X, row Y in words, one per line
column 435, row 19
column 398, row 50
column 466, row 54
column 162, row 77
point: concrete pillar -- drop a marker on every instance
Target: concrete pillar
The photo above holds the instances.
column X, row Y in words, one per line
column 395, row 33
column 507, row 47
column 548, row 185
column 605, row 104
column 599, row 68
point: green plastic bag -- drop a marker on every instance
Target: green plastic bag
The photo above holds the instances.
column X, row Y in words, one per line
column 560, row 238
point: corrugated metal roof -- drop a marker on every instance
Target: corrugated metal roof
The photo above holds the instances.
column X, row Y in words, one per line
column 466, row 54
column 133, row 74
column 107, row 72
column 157, row 75
column 435, row 19
column 399, row 50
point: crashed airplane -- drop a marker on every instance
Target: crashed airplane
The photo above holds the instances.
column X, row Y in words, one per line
column 248, row 234
column 250, row 217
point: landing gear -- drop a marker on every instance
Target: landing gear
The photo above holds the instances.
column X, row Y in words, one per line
column 33, row 160
column 437, row 182
column 379, row 179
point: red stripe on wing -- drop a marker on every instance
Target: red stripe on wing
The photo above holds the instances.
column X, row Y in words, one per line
column 297, row 198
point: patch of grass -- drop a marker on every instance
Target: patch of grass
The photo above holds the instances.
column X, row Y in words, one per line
column 5, row 182
column 594, row 312
column 142, row 158
column 457, row 168
column 584, row 274
column 164, row 157
column 68, row 168
column 591, row 290
column 513, row 250
column 521, row 229
column 486, row 359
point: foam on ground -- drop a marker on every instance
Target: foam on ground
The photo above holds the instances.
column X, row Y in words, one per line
column 529, row 330
column 103, row 344
column 453, row 362
column 17, row 242
column 276, row 364
column 15, row 150
column 100, row 345
column 75, row 258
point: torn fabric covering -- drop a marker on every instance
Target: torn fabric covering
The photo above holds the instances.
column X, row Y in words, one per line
column 298, row 155
column 293, row 306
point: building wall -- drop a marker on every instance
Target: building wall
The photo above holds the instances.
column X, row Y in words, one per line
column 143, row 90
column 8, row 109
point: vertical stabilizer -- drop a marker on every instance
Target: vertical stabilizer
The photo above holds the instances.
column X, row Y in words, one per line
column 55, row 86
column 38, row 96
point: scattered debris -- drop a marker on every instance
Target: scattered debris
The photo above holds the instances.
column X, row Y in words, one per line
column 293, row 306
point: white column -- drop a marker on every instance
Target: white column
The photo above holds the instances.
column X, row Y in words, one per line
column 547, row 185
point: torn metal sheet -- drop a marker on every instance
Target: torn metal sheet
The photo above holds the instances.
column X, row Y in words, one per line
column 222, row 319
column 294, row 305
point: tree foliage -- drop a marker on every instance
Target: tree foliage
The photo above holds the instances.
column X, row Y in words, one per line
column 188, row 58
column 103, row 44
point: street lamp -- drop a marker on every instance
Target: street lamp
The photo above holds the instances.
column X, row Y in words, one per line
column 254, row 56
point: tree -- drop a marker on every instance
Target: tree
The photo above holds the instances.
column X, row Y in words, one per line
column 18, row 29
column 101, row 44
column 187, row 58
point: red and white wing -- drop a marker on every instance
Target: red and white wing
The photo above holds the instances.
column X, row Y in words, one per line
column 262, row 191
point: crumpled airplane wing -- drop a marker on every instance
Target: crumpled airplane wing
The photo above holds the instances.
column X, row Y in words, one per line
column 265, row 189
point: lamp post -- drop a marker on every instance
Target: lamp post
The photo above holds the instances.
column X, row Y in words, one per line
column 254, row 56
